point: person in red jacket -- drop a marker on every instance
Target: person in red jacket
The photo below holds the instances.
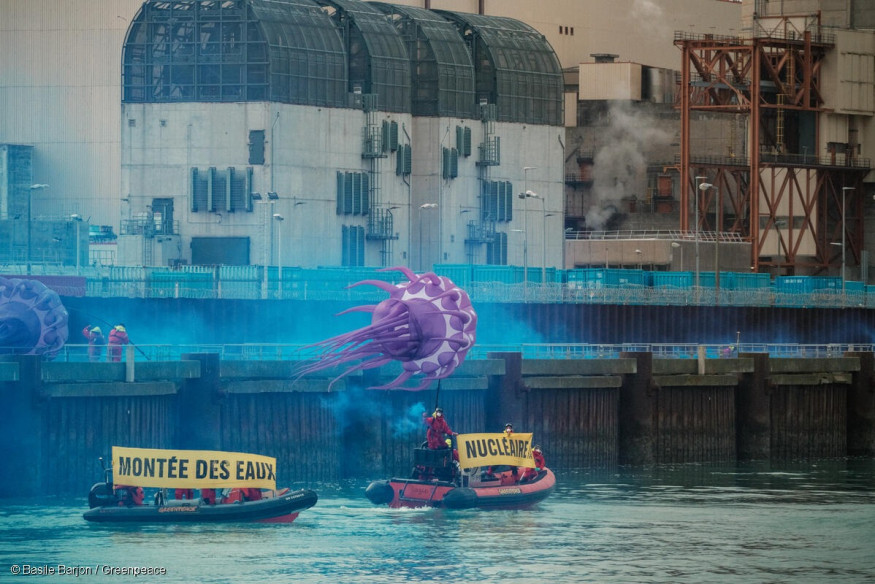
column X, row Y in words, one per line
column 208, row 496
column 491, row 470
column 242, row 494
column 437, row 429
column 252, row 494
column 183, row 494
column 540, row 464
column 118, row 336
column 130, row 496
column 96, row 342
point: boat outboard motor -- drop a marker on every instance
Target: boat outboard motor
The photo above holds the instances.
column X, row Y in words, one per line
column 102, row 494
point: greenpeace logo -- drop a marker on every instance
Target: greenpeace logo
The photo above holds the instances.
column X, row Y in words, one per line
column 177, row 509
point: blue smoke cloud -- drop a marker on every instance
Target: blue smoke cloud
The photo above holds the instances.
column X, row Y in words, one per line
column 408, row 423
column 358, row 405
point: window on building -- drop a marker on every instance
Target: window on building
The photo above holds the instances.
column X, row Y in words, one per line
column 162, row 210
column 497, row 200
column 221, row 190
column 496, row 250
column 353, row 193
column 256, row 147
column 353, row 252
column 449, row 163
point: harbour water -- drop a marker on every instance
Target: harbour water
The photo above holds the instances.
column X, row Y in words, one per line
column 809, row 522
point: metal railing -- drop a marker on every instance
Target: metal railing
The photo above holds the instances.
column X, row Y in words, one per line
column 300, row 352
column 249, row 283
column 651, row 234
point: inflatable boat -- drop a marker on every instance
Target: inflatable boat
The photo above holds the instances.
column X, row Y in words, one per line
column 245, row 485
column 282, row 508
column 437, row 482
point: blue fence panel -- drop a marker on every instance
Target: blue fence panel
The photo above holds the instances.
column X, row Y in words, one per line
column 460, row 274
column 500, row 274
column 673, row 279
column 748, row 281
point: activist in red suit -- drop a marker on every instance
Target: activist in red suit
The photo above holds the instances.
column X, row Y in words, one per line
column 437, row 429
column 540, row 464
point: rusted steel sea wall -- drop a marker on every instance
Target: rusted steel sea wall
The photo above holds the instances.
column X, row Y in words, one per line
column 79, row 429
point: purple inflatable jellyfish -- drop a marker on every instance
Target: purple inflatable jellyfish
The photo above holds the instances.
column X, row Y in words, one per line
column 32, row 319
column 427, row 323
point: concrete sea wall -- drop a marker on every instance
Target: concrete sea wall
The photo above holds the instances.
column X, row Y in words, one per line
column 585, row 413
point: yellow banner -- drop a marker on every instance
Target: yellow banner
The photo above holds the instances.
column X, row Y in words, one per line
column 495, row 449
column 191, row 469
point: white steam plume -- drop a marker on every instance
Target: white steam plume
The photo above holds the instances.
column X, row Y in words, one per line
column 620, row 162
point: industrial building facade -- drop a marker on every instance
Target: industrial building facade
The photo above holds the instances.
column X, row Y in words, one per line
column 61, row 99
column 369, row 133
column 336, row 133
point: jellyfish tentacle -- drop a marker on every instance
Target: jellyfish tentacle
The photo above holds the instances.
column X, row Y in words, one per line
column 369, row 308
column 408, row 273
column 385, row 286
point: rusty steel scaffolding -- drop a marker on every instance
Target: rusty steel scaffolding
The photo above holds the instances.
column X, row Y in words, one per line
column 775, row 185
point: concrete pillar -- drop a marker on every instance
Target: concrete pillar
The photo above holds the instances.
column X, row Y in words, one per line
column 21, row 433
column 130, row 363
column 505, row 396
column 861, row 408
column 199, row 405
column 753, row 411
column 635, row 413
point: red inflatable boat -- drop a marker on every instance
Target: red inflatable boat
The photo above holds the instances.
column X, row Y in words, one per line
column 441, row 485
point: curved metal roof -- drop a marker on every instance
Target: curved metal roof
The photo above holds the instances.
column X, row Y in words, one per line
column 307, row 56
column 515, row 67
column 315, row 52
column 378, row 61
column 442, row 74
column 234, row 50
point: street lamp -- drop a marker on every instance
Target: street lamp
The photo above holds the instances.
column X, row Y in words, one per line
column 279, row 250
column 704, row 187
column 696, row 218
column 544, row 246
column 533, row 195
column 298, row 230
column 525, row 249
column 34, row 187
column 544, row 251
column 528, row 195
column 78, row 219
column 638, row 255
column 421, row 209
column 272, row 198
column 523, row 196
column 844, row 237
column 676, row 245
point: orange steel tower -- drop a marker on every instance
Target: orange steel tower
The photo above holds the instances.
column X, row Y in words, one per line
column 776, row 185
